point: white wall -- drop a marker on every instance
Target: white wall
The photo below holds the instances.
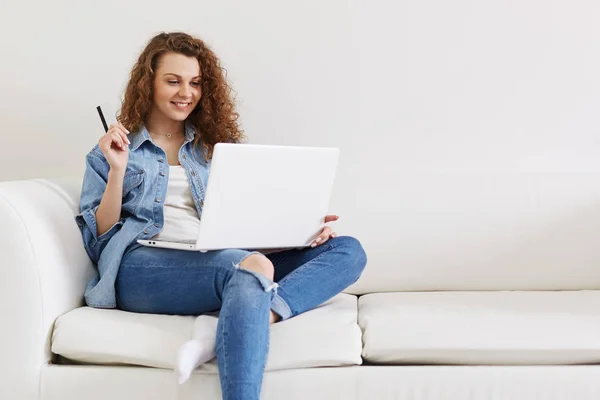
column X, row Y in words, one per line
column 429, row 89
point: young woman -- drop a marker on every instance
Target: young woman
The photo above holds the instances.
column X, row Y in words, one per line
column 146, row 178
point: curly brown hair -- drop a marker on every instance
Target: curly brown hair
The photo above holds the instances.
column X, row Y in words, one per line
column 214, row 117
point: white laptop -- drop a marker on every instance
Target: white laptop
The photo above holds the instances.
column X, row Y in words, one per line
column 263, row 197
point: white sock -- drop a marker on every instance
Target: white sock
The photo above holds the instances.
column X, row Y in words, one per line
column 198, row 350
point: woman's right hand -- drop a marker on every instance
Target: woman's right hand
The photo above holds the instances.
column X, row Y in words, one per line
column 115, row 147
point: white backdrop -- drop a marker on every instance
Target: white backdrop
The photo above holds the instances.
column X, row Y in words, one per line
column 417, row 95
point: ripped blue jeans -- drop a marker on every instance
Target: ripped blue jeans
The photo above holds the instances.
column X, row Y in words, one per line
column 166, row 281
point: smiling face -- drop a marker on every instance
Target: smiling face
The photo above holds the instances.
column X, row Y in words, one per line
column 177, row 88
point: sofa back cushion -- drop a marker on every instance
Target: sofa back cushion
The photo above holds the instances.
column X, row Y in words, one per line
column 492, row 231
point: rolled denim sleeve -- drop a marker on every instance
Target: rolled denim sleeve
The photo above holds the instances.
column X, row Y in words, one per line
column 94, row 184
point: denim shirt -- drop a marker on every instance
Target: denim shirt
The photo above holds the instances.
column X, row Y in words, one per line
column 144, row 192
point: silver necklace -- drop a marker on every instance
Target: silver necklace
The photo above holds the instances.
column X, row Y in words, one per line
column 169, row 135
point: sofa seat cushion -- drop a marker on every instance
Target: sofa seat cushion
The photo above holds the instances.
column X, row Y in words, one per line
column 326, row 336
column 504, row 328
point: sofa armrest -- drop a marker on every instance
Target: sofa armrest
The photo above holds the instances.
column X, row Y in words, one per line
column 44, row 272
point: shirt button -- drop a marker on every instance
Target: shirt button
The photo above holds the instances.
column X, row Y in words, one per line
column 161, row 160
column 202, row 203
column 146, row 231
column 158, row 200
column 193, row 173
column 156, row 225
column 162, row 173
column 183, row 156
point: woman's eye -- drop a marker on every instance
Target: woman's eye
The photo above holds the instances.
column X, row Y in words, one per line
column 196, row 83
column 172, row 82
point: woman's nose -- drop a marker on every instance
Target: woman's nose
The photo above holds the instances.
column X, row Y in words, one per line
column 184, row 91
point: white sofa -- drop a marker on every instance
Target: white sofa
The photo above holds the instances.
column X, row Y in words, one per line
column 492, row 293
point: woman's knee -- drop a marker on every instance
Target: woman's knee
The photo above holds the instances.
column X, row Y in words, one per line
column 356, row 255
column 260, row 264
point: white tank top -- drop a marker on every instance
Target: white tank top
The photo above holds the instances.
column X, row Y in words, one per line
column 180, row 215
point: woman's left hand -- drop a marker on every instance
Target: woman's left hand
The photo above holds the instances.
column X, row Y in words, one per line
column 326, row 233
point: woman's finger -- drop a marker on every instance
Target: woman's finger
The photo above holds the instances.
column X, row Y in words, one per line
column 120, row 130
column 124, row 137
column 331, row 218
column 322, row 238
column 116, row 138
column 124, row 132
column 123, row 127
column 106, row 141
column 111, row 132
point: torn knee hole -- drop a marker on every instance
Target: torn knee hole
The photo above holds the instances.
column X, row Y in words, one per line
column 267, row 284
column 259, row 264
